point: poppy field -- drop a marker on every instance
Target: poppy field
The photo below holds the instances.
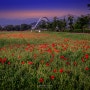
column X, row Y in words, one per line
column 44, row 61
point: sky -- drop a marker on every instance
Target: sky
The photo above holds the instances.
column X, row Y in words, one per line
column 22, row 9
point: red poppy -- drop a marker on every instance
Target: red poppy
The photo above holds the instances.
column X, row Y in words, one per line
column 55, row 50
column 47, row 64
column 86, row 68
column 29, row 62
column 49, row 50
column 62, row 57
column 52, row 77
column 61, row 70
column 41, row 80
column 9, row 63
column 54, row 70
column 4, row 59
column 53, row 44
column 86, row 56
column 75, row 63
column 83, row 60
column 67, row 63
column 22, row 62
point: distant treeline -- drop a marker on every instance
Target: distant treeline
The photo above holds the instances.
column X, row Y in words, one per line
column 15, row 27
column 68, row 23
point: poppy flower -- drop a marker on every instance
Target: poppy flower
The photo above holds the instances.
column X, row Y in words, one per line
column 9, row 63
column 22, row 62
column 52, row 77
column 47, row 64
column 4, row 59
column 67, row 63
column 86, row 68
column 86, row 56
column 55, row 50
column 53, row 44
column 49, row 50
column 62, row 57
column 83, row 60
column 75, row 63
column 30, row 63
column 41, row 80
column 54, row 70
column 61, row 70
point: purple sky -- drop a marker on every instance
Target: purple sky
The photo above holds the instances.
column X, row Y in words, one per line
column 23, row 9
column 38, row 8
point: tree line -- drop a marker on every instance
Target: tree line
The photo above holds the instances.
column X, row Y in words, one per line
column 21, row 27
column 66, row 24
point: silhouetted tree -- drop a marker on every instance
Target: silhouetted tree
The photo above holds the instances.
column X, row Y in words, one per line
column 54, row 23
column 17, row 27
column 62, row 24
column 25, row 27
column 9, row 27
column 42, row 24
column 70, row 20
column 0, row 28
column 83, row 21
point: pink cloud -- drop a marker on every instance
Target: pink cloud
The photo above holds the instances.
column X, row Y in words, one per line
column 39, row 13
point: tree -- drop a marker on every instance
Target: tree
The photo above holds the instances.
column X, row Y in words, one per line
column 83, row 21
column 42, row 24
column 62, row 24
column 17, row 27
column 0, row 28
column 70, row 20
column 54, row 23
column 25, row 27
column 9, row 27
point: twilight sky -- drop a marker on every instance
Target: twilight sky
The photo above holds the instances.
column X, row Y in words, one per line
column 38, row 8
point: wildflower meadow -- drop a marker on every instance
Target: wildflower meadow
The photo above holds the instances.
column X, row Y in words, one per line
column 44, row 61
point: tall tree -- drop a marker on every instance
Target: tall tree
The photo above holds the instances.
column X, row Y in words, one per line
column 70, row 20
column 55, row 24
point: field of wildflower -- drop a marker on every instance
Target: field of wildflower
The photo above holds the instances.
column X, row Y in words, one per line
column 44, row 61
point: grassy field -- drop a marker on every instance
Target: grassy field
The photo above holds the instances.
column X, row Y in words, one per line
column 44, row 61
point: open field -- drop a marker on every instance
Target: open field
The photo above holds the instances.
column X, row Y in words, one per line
column 44, row 61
